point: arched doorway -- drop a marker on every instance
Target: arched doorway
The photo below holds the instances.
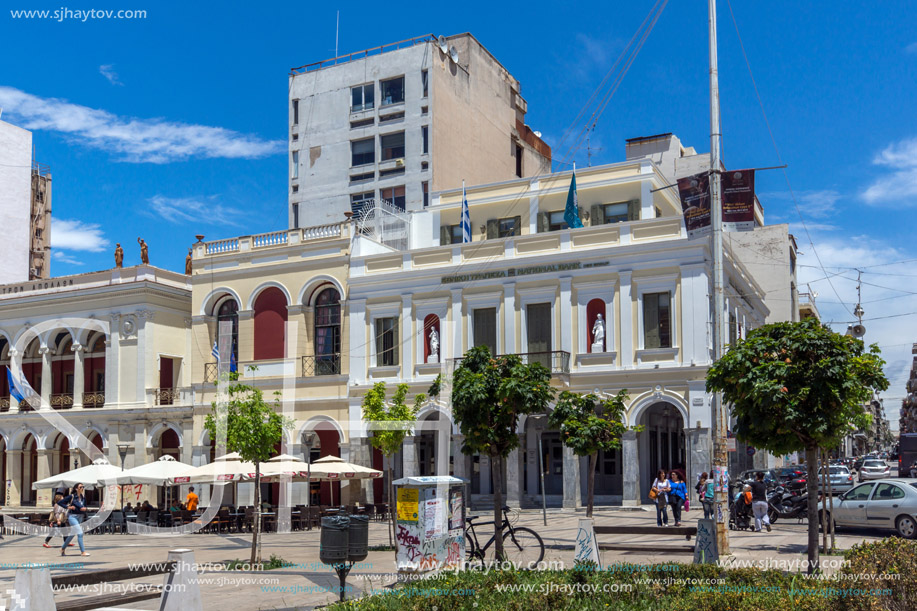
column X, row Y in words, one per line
column 29, row 470
column 270, row 324
column 661, row 444
column 94, row 373
column 62, row 361
column 227, row 310
column 169, row 445
column 93, row 495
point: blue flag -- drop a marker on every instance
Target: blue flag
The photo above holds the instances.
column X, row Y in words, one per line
column 14, row 391
column 571, row 212
column 232, row 362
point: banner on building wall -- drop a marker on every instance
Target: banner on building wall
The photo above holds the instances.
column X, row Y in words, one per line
column 739, row 200
column 694, row 192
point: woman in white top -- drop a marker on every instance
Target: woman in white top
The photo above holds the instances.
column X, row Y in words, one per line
column 661, row 486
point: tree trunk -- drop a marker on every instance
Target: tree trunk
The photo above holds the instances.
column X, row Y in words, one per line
column 831, row 512
column 391, row 504
column 256, row 527
column 812, row 492
column 496, row 468
column 825, row 478
column 590, row 484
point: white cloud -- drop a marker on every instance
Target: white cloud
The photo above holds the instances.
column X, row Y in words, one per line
column 133, row 139
column 77, row 235
column 108, row 71
column 900, row 186
column 197, row 210
column 817, row 203
column 58, row 255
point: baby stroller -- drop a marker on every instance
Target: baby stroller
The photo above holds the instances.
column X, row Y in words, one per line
column 740, row 513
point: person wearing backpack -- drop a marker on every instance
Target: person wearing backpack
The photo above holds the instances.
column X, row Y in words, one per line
column 705, row 493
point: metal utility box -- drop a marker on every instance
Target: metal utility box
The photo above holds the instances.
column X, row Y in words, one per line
column 430, row 523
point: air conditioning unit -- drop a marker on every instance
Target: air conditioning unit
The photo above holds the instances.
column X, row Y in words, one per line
column 399, row 163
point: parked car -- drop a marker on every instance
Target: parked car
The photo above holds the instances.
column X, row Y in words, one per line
column 841, row 479
column 873, row 469
column 885, row 503
column 858, row 463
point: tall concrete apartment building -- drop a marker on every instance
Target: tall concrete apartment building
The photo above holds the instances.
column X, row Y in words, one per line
column 398, row 122
column 25, row 209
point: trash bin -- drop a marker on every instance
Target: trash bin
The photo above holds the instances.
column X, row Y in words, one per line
column 335, row 539
column 359, row 538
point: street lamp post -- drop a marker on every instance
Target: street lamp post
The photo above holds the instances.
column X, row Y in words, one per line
column 122, row 452
column 539, row 428
column 308, row 439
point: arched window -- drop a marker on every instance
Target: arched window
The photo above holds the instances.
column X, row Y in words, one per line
column 270, row 324
column 328, row 332
column 228, row 311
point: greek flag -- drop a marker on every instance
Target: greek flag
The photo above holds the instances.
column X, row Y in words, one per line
column 216, row 352
column 571, row 212
column 466, row 218
column 14, row 391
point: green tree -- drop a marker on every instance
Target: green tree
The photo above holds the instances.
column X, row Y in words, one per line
column 798, row 387
column 588, row 425
column 252, row 428
column 389, row 439
column 488, row 396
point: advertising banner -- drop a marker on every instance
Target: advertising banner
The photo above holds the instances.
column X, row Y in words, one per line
column 739, row 200
column 694, row 192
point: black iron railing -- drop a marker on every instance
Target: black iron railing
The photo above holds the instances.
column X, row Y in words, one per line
column 93, row 399
column 167, row 396
column 557, row 361
column 321, row 365
column 211, row 371
column 62, row 400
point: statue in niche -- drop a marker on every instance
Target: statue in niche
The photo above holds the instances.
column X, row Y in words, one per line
column 598, row 334
column 119, row 256
column 144, row 251
column 434, row 346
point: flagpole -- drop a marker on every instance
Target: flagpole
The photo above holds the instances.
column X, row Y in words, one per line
column 720, row 418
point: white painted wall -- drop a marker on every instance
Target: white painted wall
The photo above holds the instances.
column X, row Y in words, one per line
column 15, row 202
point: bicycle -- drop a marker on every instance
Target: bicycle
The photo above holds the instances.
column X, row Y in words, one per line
column 522, row 546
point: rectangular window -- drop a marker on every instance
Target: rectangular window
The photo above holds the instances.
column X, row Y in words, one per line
column 362, row 123
column 295, row 112
column 391, row 172
column 361, row 97
column 425, row 139
column 392, row 146
column 394, row 196
column 425, row 81
column 538, row 332
column 355, row 178
column 485, row 328
column 733, row 329
column 456, row 232
column 556, row 221
column 363, row 152
column 392, row 91
column 657, row 320
column 295, row 170
column 295, row 216
column 360, row 201
column 518, row 161
column 425, row 187
column 509, row 227
column 395, row 116
column 615, row 213
column 386, row 342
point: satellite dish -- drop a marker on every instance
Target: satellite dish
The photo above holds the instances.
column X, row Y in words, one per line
column 443, row 45
column 537, row 134
column 453, row 55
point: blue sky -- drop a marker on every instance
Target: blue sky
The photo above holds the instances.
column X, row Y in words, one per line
column 175, row 124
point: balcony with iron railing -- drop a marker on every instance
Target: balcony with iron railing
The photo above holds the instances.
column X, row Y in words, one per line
column 273, row 239
column 321, row 365
column 62, row 400
column 4, row 404
column 93, row 399
column 557, row 361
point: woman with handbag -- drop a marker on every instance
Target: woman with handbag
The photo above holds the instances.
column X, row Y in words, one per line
column 706, row 494
column 677, row 496
column 76, row 505
column 659, row 494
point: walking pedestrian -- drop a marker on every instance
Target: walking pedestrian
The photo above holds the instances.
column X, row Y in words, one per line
column 677, row 495
column 706, row 495
column 56, row 519
column 759, row 502
column 76, row 504
column 659, row 493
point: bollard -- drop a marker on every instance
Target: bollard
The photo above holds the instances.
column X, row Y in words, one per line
column 180, row 591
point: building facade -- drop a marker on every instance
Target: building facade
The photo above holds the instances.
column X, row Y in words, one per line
column 402, row 121
column 15, row 197
column 105, row 357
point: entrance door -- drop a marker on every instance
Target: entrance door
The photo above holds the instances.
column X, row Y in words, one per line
column 553, row 451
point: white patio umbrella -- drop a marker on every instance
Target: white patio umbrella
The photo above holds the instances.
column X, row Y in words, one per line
column 156, row 473
column 333, row 468
column 228, row 468
column 100, row 472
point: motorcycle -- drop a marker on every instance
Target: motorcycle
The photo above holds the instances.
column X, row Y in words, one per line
column 789, row 504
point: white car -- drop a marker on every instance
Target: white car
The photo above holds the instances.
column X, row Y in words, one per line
column 885, row 503
column 873, row 469
column 841, row 479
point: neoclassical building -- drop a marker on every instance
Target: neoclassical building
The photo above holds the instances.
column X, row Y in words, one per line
column 108, row 353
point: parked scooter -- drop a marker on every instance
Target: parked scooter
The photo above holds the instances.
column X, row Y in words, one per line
column 789, row 504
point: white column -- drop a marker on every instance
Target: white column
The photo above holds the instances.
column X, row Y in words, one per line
column 533, row 214
column 409, row 457
column 455, row 315
column 14, row 403
column 647, row 209
column 625, row 305
column 79, row 355
column 566, row 315
column 407, row 332
column 46, row 380
column 509, row 319
column 147, row 364
column 695, row 308
column 358, row 345
column 112, row 362
column 571, row 467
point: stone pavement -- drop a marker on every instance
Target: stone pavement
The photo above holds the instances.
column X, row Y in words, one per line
column 308, row 584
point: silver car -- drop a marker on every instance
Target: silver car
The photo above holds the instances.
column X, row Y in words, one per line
column 885, row 503
column 841, row 479
column 873, row 469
